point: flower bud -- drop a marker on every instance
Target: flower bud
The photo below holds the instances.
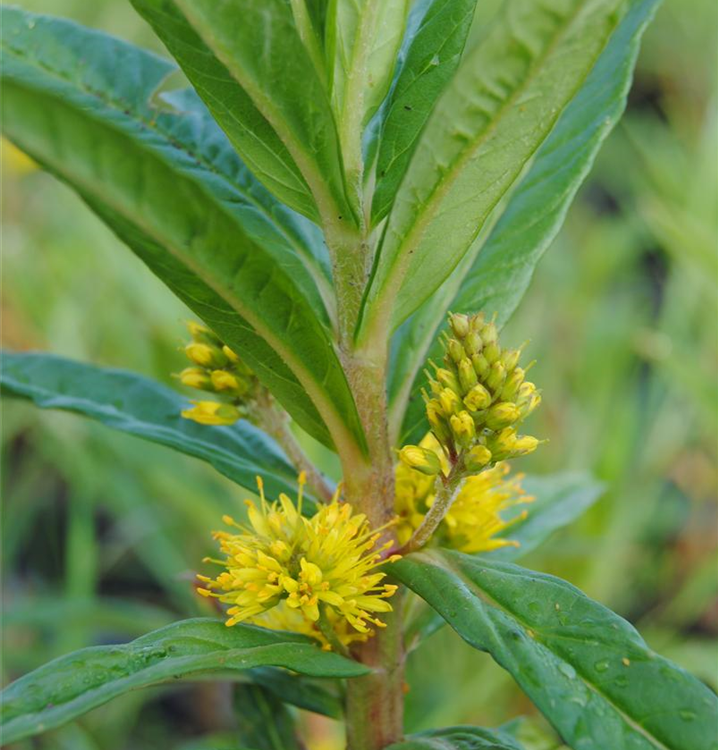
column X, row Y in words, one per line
column 467, row 375
column 481, row 365
column 514, row 381
column 462, row 425
column 459, row 324
column 477, row 398
column 196, row 377
column 212, row 413
column 421, row 459
column 439, row 427
column 229, row 353
column 227, row 381
column 492, row 352
column 527, row 406
column 502, row 415
column 510, row 358
column 502, row 443
column 496, row 377
column 489, row 334
column 477, row 458
column 524, row 445
column 205, row 355
column 450, row 402
column 201, row 334
column 448, row 379
column 473, row 343
column 455, row 351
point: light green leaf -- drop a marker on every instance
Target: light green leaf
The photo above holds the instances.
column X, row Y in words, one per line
column 140, row 406
column 497, row 270
column 79, row 102
column 500, row 106
column 585, row 668
column 70, row 686
column 247, row 61
column 431, row 60
column 458, row 738
column 364, row 37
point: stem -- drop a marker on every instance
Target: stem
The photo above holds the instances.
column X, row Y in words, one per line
column 447, row 490
column 275, row 422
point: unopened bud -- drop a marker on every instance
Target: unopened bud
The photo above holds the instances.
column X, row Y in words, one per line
column 502, row 443
column 510, row 358
column 524, row 445
column 496, row 377
column 229, row 353
column 205, row 355
column 473, row 343
column 439, row 427
column 421, row 459
column 481, row 365
column 196, row 377
column 513, row 383
column 212, row 413
column 477, row 398
column 502, row 415
column 478, row 457
column 201, row 334
column 489, row 334
column 226, row 381
column 462, row 425
column 467, row 375
column 492, row 352
column 450, row 402
column 529, row 405
column 459, row 324
column 448, row 379
column 455, row 351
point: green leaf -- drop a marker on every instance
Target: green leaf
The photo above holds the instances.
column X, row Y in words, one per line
column 80, row 103
column 585, row 668
column 430, row 62
column 500, row 106
column 70, row 686
column 559, row 500
column 247, row 61
column 263, row 721
column 140, row 406
column 364, row 37
column 458, row 738
column 497, row 270
column 318, row 696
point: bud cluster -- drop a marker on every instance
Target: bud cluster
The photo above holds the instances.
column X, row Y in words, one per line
column 477, row 400
column 217, row 369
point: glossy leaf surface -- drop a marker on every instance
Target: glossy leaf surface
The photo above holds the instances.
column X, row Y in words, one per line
column 585, row 668
column 71, row 685
column 458, row 738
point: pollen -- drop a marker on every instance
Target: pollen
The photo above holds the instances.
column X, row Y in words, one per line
column 284, row 571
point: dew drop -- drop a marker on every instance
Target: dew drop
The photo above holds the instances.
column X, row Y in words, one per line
column 601, row 666
column 567, row 670
column 687, row 715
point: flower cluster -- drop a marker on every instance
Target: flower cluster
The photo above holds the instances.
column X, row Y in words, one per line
column 477, row 401
column 474, row 520
column 217, row 369
column 321, row 572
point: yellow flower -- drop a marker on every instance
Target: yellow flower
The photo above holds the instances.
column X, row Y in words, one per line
column 323, row 570
column 474, row 519
column 212, row 413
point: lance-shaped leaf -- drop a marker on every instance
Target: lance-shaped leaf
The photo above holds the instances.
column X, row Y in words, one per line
column 458, row 738
column 263, row 721
column 429, row 63
column 247, row 61
column 499, row 107
column 364, row 37
column 71, row 685
column 497, row 270
column 587, row 669
column 79, row 103
column 140, row 406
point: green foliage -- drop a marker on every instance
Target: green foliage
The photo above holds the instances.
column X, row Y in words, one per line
column 264, row 721
column 459, row 738
column 586, row 668
column 140, row 406
column 496, row 271
column 74, row 684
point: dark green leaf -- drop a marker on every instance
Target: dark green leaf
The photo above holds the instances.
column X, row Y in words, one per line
column 500, row 106
column 430, row 61
column 140, row 406
column 458, row 738
column 72, row 685
column 318, row 696
column 263, row 721
column 498, row 268
column 587, row 670
column 80, row 103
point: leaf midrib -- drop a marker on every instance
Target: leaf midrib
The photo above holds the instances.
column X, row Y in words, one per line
column 339, row 432
column 444, row 184
column 485, row 597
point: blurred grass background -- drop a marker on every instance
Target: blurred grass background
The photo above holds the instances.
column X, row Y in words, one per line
column 101, row 533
